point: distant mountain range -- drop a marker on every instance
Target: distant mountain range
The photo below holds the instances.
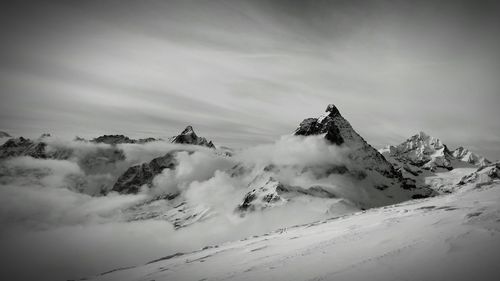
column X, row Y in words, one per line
column 362, row 179
column 426, row 152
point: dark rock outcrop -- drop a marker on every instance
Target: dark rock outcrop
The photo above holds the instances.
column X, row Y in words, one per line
column 338, row 131
column 188, row 136
column 323, row 125
column 118, row 139
column 136, row 176
column 23, row 147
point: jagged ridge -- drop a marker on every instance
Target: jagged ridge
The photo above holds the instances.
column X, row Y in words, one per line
column 188, row 136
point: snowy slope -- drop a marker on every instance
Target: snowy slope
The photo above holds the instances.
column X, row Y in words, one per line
column 452, row 237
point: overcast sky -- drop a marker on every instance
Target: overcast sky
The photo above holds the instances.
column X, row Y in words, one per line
column 244, row 73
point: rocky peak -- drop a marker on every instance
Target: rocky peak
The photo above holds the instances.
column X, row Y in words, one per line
column 332, row 110
column 324, row 124
column 113, row 139
column 188, row 131
column 338, row 131
column 188, row 136
column 468, row 156
column 119, row 139
column 421, row 150
column 143, row 174
column 22, row 147
column 425, row 143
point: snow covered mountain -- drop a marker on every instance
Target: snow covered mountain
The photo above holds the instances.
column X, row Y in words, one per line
column 338, row 131
column 429, row 153
column 465, row 155
column 421, row 150
column 426, row 159
column 361, row 178
column 356, row 177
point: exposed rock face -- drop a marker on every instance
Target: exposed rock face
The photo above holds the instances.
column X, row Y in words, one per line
column 188, row 136
column 465, row 155
column 118, row 139
column 338, row 131
column 89, row 162
column 23, row 147
column 137, row 176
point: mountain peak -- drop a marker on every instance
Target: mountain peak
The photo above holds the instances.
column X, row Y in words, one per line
column 188, row 131
column 188, row 136
column 332, row 109
column 338, row 131
column 422, row 135
column 422, row 150
column 468, row 156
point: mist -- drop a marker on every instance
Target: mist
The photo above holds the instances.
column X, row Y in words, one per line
column 55, row 217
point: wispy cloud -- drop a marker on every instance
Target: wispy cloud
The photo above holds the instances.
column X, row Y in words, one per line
column 246, row 72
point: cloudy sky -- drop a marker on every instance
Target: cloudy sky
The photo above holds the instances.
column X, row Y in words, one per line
column 246, row 72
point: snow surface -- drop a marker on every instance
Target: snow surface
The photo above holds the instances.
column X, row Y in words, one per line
column 449, row 237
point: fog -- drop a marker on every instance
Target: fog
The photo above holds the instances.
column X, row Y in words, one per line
column 56, row 222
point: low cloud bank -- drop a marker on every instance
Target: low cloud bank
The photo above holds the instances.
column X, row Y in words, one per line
column 56, row 223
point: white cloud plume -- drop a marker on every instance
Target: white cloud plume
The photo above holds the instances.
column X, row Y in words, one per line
column 48, row 204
